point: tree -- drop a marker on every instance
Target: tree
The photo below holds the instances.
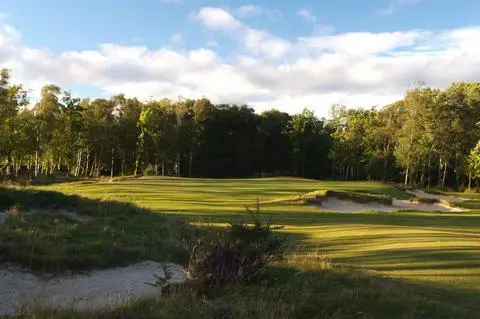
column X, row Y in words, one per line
column 158, row 123
column 311, row 143
column 12, row 97
column 413, row 140
column 474, row 165
column 128, row 110
column 273, row 144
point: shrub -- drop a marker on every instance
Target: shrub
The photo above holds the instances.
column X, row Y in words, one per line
column 239, row 254
column 15, row 212
column 149, row 170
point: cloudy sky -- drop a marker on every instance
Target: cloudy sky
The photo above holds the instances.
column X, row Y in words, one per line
column 265, row 53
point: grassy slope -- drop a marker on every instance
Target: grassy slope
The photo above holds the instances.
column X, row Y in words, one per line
column 440, row 248
column 114, row 234
column 425, row 252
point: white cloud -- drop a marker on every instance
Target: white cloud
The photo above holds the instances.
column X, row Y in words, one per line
column 248, row 10
column 366, row 42
column 258, row 41
column 394, row 4
column 254, row 40
column 357, row 69
column 217, row 19
column 307, row 15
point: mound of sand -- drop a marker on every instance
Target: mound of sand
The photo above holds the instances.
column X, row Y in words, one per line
column 3, row 216
column 422, row 194
column 345, row 206
column 98, row 289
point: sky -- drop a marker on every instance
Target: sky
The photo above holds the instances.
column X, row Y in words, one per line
column 267, row 53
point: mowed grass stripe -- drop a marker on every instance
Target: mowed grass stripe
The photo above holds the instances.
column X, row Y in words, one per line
column 441, row 248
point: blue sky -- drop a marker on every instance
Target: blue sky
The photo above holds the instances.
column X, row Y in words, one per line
column 284, row 54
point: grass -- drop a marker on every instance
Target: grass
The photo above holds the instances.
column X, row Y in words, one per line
column 43, row 239
column 439, row 248
column 398, row 264
column 360, row 197
column 303, row 287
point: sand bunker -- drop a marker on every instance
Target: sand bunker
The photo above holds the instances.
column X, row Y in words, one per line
column 345, row 206
column 98, row 289
column 422, row 194
column 3, row 216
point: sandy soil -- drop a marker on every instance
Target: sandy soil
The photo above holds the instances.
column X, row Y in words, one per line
column 344, row 206
column 3, row 216
column 422, row 194
column 98, row 289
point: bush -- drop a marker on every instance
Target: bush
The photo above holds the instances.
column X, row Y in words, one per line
column 239, row 254
column 149, row 170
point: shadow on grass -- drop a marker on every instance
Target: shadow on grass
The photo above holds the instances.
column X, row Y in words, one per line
column 42, row 239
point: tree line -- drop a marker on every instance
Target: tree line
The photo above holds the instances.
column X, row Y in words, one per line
column 429, row 138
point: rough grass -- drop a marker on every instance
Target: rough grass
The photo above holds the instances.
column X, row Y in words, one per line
column 406, row 265
column 438, row 248
column 360, row 197
column 304, row 287
column 119, row 233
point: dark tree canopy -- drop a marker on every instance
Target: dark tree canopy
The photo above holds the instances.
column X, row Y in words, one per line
column 430, row 138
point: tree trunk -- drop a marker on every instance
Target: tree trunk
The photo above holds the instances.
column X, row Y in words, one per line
column 385, row 162
column 440, row 165
column 9, row 163
column 406, row 176
column 112, row 162
column 469, row 180
column 190, row 164
column 17, row 168
column 123, row 165
column 79, row 162
column 444, row 174
column 163, row 168
column 37, row 167
column 137, row 164
column 428, row 170
column 178, row 167
column 88, row 162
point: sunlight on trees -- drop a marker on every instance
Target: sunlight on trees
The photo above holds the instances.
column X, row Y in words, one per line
column 427, row 138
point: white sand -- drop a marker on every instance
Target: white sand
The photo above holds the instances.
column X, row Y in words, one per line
column 98, row 289
column 422, row 194
column 345, row 206
column 3, row 216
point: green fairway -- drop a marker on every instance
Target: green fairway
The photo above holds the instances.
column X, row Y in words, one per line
column 440, row 249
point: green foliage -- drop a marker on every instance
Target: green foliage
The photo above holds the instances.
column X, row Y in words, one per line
column 149, row 170
column 238, row 255
column 474, row 162
column 423, row 139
